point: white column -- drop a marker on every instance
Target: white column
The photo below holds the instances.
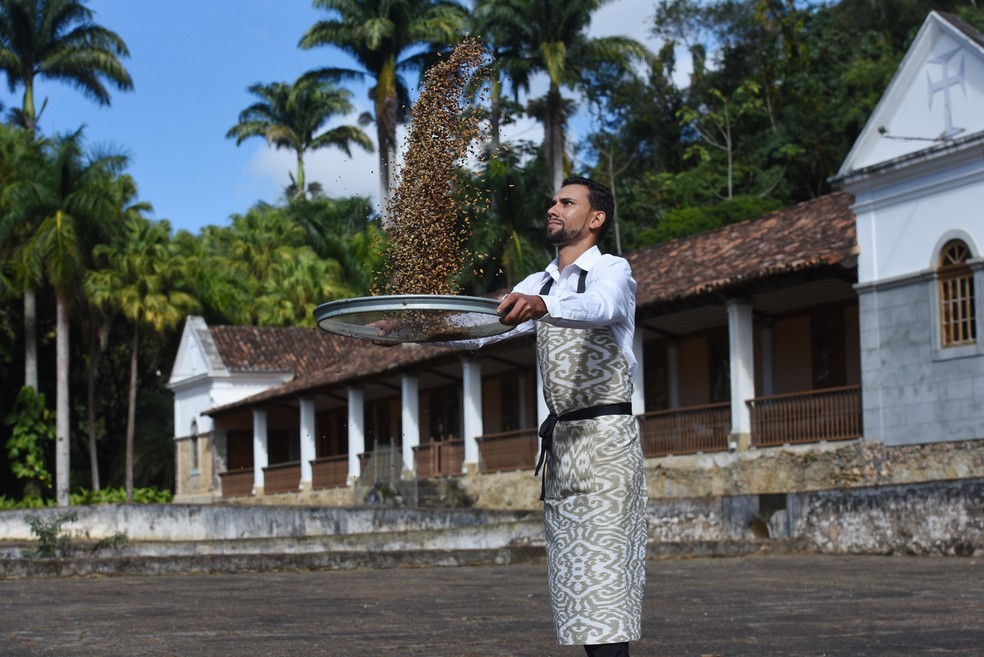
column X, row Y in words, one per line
column 639, row 379
column 410, row 386
column 673, row 372
column 741, row 344
column 260, row 454
column 308, row 451
column 524, row 407
column 471, row 377
column 356, row 430
column 766, row 349
column 542, row 411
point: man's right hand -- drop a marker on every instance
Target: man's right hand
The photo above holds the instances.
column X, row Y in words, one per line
column 516, row 308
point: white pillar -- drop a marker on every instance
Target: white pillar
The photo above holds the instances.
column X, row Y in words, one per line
column 673, row 372
column 260, row 454
column 410, row 386
column 766, row 335
column 639, row 379
column 308, row 451
column 524, row 407
column 472, row 427
column 741, row 344
column 356, row 430
column 542, row 411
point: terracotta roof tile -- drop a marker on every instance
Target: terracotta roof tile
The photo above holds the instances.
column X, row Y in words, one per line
column 276, row 349
column 811, row 234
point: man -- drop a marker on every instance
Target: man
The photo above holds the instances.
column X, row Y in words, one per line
column 582, row 309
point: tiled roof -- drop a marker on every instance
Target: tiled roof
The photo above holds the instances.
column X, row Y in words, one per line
column 276, row 349
column 811, row 234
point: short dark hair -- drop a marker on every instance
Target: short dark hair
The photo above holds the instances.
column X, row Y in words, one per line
column 599, row 197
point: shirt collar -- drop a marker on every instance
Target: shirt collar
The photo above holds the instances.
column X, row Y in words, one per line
column 585, row 262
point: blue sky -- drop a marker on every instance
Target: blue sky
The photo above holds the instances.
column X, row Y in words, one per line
column 191, row 62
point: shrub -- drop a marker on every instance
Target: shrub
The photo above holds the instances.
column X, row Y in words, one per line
column 51, row 542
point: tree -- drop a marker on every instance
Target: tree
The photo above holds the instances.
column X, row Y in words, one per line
column 341, row 230
column 58, row 40
column 290, row 116
column 551, row 37
column 142, row 279
column 31, row 427
column 75, row 203
column 387, row 38
column 96, row 318
column 21, row 162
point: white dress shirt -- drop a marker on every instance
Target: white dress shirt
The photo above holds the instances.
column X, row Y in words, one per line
column 609, row 299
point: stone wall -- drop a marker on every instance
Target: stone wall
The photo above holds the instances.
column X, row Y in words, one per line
column 790, row 469
column 937, row 518
column 823, row 466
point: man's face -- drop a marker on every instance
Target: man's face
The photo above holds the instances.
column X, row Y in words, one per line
column 569, row 214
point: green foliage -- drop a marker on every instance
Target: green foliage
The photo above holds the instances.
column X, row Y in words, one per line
column 51, row 542
column 28, row 502
column 688, row 221
column 114, row 542
column 84, row 497
column 33, row 426
column 151, row 495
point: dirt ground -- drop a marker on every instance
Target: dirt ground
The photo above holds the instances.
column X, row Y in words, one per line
column 788, row 605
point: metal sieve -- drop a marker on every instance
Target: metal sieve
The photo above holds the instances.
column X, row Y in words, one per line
column 411, row 318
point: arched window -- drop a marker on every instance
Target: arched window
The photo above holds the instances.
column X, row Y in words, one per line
column 195, row 462
column 956, row 286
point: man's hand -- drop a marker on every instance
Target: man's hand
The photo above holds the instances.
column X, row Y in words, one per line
column 385, row 327
column 516, row 308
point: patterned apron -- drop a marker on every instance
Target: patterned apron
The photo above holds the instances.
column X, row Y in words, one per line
column 594, row 490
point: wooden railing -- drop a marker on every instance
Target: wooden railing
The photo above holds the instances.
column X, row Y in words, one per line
column 237, row 483
column 329, row 471
column 509, row 450
column 686, row 430
column 281, row 478
column 806, row 417
column 439, row 458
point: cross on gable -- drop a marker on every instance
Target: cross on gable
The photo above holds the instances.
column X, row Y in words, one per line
column 949, row 78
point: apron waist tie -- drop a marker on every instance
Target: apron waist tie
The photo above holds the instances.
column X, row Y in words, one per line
column 590, row 413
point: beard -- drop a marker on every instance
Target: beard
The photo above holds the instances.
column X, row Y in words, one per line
column 564, row 234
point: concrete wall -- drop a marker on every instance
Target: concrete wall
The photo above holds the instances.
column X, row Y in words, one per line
column 915, row 392
column 177, row 522
column 937, row 518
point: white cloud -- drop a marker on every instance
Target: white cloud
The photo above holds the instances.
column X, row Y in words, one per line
column 338, row 173
column 631, row 18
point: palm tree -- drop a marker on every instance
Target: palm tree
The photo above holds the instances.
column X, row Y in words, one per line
column 55, row 39
column 21, row 161
column 551, row 37
column 285, row 277
column 289, row 115
column 142, row 280
column 96, row 318
column 76, row 202
column 385, row 38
